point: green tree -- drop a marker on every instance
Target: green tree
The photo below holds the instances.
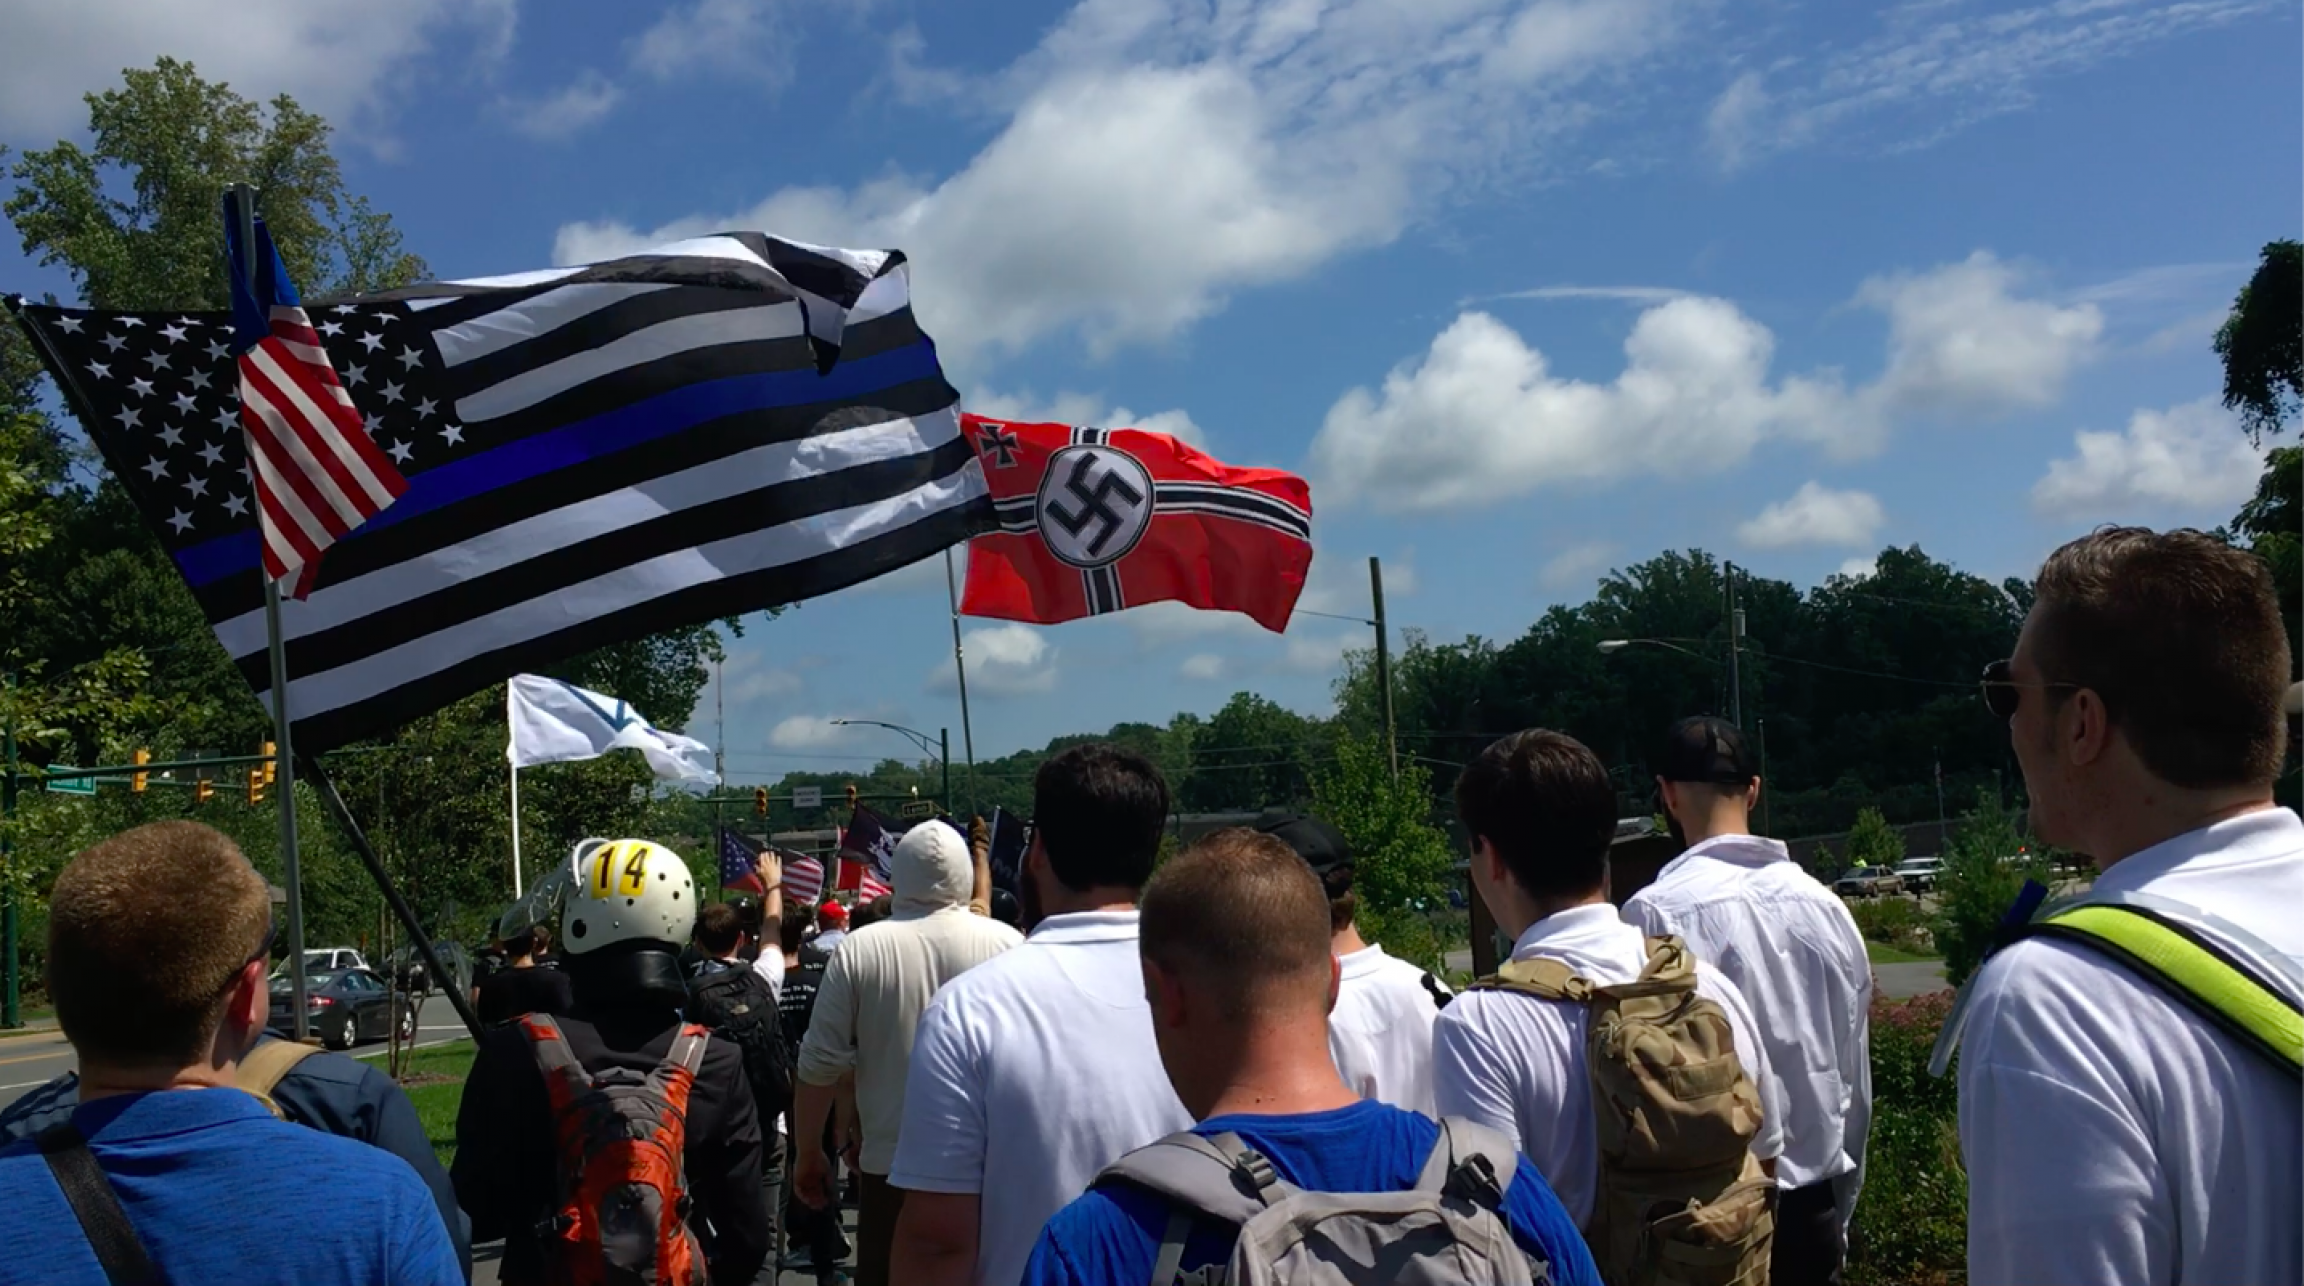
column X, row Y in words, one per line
column 1873, row 842
column 1400, row 860
column 1252, row 754
column 1985, row 866
column 2262, row 342
column 2271, row 525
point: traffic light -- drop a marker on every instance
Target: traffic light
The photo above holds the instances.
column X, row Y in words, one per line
column 851, row 797
column 136, row 780
column 271, row 762
column 255, row 785
column 201, row 791
column 760, row 800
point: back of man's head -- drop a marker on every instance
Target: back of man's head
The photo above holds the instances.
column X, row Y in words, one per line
column 718, row 929
column 792, row 929
column 1326, row 851
column 147, row 933
column 1241, row 924
column 1098, row 811
column 1545, row 804
column 2179, row 634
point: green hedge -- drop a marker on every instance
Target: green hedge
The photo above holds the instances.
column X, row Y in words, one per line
column 1912, row 1221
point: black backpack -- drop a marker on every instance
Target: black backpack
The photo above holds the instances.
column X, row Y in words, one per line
column 739, row 1006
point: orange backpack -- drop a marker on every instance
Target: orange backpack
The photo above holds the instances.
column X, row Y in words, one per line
column 622, row 1217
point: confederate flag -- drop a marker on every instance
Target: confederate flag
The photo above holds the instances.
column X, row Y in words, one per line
column 1096, row 520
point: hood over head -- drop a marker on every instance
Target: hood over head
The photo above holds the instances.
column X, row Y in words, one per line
column 931, row 870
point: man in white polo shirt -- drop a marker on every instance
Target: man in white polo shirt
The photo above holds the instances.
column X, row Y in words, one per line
column 1035, row 1070
column 1541, row 811
column 1380, row 1032
column 2113, row 1135
column 1789, row 944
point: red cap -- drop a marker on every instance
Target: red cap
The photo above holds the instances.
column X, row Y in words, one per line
column 832, row 913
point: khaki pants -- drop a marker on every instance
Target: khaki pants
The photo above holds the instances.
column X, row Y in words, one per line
column 876, row 1210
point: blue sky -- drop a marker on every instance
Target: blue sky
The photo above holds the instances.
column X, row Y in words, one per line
column 1526, row 289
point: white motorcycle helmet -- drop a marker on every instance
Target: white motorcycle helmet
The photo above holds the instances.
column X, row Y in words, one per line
column 627, row 890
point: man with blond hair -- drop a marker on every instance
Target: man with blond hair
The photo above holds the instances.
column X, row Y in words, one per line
column 158, row 942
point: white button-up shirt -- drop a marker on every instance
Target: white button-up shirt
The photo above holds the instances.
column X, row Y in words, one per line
column 1516, row 1063
column 1789, row 944
column 1031, row 1073
column 1380, row 1032
column 2115, row 1138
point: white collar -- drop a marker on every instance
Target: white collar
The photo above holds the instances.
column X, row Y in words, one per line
column 1367, row 960
column 1577, row 924
column 1087, row 926
column 1741, row 849
column 2244, row 838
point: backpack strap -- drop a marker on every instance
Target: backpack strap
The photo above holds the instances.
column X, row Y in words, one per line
column 1221, row 1177
column 688, row 1047
column 1438, row 990
column 96, row 1205
column 2193, row 970
column 1542, row 978
column 1469, row 1160
column 1670, row 970
column 262, row 1071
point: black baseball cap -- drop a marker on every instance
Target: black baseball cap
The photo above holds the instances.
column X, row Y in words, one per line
column 1320, row 845
column 1706, row 749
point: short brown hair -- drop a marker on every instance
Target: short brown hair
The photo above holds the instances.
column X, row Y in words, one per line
column 145, row 932
column 718, row 927
column 1240, row 914
column 1545, row 804
column 2180, row 635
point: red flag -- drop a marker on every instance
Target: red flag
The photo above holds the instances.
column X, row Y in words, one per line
column 1096, row 520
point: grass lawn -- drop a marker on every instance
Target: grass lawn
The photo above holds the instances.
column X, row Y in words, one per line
column 1881, row 953
column 435, row 1083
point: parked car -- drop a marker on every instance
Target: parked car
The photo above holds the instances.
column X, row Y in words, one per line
column 1868, row 881
column 325, row 960
column 408, row 966
column 345, row 1007
column 1919, row 873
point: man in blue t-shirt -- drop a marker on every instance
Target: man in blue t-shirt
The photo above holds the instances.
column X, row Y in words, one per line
column 157, row 944
column 1238, row 966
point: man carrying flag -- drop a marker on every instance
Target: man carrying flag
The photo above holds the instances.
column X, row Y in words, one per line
column 747, row 867
column 318, row 474
column 867, row 849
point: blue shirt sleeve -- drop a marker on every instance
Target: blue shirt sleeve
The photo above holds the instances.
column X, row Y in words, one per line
column 421, row 1253
column 1541, row 1226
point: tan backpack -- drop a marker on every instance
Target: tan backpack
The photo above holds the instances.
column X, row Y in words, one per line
column 260, row 1072
column 1680, row 1200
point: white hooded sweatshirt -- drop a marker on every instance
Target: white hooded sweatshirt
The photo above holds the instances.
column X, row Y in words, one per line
column 883, row 975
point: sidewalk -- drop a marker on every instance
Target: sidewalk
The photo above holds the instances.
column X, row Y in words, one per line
column 31, row 1027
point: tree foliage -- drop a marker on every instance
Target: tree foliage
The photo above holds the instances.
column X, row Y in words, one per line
column 1873, row 842
column 2262, row 342
column 1400, row 860
column 1985, row 866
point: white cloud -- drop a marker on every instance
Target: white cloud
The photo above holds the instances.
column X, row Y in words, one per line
column 1003, row 660
column 1158, row 156
column 1940, row 66
column 747, row 38
column 1083, row 408
column 807, row 732
column 1571, row 567
column 1816, row 515
column 2191, row 459
column 1621, row 294
column 348, row 62
column 1316, row 653
column 1859, row 568
column 1480, row 417
column 585, row 102
column 1203, row 666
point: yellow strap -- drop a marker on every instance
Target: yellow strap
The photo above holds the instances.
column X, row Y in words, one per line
column 2195, row 971
column 1542, row 978
column 261, row 1071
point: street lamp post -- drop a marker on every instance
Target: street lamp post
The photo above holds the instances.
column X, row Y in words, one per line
column 1735, row 681
column 939, row 746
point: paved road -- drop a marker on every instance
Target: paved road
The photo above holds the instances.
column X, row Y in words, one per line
column 35, row 1058
column 1904, row 981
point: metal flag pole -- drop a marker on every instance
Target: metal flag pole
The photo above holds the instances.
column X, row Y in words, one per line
column 515, row 831
column 960, row 667
column 244, row 209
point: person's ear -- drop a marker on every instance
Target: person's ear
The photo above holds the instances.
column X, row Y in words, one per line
column 1752, row 795
column 1335, row 980
column 1669, row 795
column 2084, row 725
column 248, row 1007
column 1164, row 991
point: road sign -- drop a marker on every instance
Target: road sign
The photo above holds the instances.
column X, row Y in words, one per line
column 914, row 809
column 807, row 796
column 73, row 786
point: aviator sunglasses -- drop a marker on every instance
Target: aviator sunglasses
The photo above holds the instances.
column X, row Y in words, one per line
column 2003, row 694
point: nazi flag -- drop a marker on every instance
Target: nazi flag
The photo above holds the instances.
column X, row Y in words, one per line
column 1097, row 520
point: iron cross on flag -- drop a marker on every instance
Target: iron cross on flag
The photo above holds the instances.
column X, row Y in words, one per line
column 1098, row 520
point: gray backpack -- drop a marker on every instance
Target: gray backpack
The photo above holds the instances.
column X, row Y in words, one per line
column 1444, row 1231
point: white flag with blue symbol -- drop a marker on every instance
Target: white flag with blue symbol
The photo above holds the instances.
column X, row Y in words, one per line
column 553, row 722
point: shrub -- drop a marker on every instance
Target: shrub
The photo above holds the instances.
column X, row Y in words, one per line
column 1893, row 921
column 1873, row 842
column 1978, row 884
column 1912, row 1220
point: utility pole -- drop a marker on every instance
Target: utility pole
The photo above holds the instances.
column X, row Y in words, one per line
column 944, row 758
column 1384, row 663
column 1767, row 787
column 8, row 1015
column 1943, row 829
column 1735, row 648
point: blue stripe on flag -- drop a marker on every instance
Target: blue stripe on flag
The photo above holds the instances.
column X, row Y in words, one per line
column 675, row 411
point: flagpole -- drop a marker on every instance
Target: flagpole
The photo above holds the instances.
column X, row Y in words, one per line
column 244, row 201
column 515, row 830
column 960, row 667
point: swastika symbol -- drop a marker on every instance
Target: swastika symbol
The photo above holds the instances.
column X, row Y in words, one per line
column 1094, row 504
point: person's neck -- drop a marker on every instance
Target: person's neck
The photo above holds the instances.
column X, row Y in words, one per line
column 98, row 1080
column 1103, row 897
column 1347, row 940
column 1544, row 908
column 2154, row 812
column 522, row 962
column 1276, row 1071
column 1727, row 817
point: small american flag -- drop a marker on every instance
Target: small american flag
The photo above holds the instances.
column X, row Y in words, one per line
column 739, row 863
column 803, row 877
column 318, row 472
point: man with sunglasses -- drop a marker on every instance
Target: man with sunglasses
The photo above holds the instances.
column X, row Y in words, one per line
column 2115, row 1131
column 158, row 941
column 1790, row 945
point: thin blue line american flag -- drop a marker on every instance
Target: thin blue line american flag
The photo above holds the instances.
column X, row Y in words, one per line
column 318, row 473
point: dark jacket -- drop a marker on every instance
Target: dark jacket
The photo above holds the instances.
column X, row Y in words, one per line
column 328, row 1092
column 506, row 1154
column 508, row 993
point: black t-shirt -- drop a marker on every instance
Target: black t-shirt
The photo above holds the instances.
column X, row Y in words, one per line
column 509, row 993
